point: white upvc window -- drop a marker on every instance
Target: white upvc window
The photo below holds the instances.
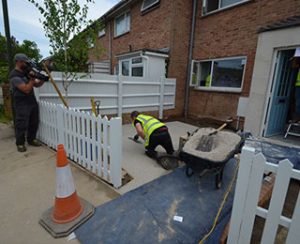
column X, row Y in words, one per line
column 210, row 6
column 101, row 32
column 132, row 67
column 148, row 4
column 122, row 24
column 224, row 74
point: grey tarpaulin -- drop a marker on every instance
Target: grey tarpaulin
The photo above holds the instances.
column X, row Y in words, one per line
column 145, row 215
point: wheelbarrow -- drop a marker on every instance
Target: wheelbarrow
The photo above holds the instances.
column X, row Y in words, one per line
column 225, row 145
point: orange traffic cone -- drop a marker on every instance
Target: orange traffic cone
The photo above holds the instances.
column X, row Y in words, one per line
column 67, row 205
column 69, row 210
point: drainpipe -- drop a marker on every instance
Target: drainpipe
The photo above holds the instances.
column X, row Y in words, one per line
column 110, row 47
column 191, row 47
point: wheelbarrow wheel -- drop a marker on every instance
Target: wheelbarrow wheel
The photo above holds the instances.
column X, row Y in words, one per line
column 219, row 177
column 188, row 171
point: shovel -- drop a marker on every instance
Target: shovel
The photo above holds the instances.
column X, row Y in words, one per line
column 206, row 141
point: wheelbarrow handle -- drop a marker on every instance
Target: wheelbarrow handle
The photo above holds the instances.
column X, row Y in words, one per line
column 219, row 129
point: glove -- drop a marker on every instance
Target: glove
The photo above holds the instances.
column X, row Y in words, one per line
column 136, row 137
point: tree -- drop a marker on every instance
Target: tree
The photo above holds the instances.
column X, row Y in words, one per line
column 30, row 48
column 69, row 32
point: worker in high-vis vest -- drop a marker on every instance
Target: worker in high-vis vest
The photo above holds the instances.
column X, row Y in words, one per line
column 153, row 132
column 208, row 80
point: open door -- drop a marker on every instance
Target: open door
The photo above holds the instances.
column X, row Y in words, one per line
column 280, row 94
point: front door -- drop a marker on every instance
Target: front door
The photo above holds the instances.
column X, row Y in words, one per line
column 280, row 94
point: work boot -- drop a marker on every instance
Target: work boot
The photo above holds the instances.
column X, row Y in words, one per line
column 35, row 143
column 21, row 148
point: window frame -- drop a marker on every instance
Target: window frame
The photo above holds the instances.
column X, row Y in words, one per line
column 220, row 89
column 101, row 32
column 143, row 8
column 126, row 14
column 204, row 4
column 132, row 65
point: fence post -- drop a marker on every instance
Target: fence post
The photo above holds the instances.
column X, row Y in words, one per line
column 120, row 96
column 115, row 134
column 161, row 99
column 60, row 125
column 37, row 94
column 242, row 184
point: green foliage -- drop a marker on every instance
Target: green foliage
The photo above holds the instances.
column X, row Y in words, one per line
column 30, row 48
column 3, row 118
column 68, row 30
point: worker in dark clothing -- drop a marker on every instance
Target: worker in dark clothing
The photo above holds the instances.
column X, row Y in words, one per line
column 24, row 102
column 153, row 132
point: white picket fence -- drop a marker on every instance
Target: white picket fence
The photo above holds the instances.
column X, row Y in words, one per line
column 248, row 186
column 117, row 94
column 95, row 143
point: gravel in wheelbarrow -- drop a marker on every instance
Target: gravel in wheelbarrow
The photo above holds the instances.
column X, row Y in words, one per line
column 224, row 145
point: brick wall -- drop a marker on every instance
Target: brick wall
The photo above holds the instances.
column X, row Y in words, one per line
column 165, row 26
column 233, row 32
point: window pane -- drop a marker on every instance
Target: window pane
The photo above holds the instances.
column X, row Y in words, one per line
column 101, row 32
column 228, row 73
column 137, row 60
column 205, row 77
column 148, row 3
column 125, row 68
column 137, row 71
column 225, row 3
column 122, row 24
column 195, row 72
column 212, row 5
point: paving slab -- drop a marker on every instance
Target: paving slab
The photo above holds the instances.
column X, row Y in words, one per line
column 27, row 189
column 142, row 168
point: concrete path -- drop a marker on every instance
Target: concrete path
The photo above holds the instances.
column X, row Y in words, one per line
column 137, row 164
column 27, row 189
column 27, row 183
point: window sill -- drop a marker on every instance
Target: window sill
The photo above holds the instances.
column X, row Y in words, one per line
column 224, row 9
column 218, row 89
column 123, row 34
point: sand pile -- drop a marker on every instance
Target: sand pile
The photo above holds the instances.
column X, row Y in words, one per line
column 223, row 143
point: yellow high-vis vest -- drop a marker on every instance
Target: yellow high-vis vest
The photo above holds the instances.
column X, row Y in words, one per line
column 298, row 78
column 208, row 80
column 149, row 125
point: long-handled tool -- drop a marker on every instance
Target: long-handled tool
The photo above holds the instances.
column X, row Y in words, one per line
column 55, row 86
column 206, row 141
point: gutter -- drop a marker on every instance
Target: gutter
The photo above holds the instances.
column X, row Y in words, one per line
column 191, row 47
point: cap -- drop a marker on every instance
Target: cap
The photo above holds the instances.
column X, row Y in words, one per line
column 21, row 57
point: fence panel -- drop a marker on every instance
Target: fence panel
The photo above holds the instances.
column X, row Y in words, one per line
column 244, row 211
column 95, row 143
column 117, row 94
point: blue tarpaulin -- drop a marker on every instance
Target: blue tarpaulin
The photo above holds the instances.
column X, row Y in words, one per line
column 145, row 215
column 274, row 153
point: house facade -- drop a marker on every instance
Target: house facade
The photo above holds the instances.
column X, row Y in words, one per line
column 224, row 72
column 138, row 32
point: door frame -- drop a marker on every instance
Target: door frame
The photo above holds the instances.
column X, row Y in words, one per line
column 270, row 90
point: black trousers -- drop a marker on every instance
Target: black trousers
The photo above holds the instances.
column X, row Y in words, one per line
column 26, row 120
column 162, row 138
